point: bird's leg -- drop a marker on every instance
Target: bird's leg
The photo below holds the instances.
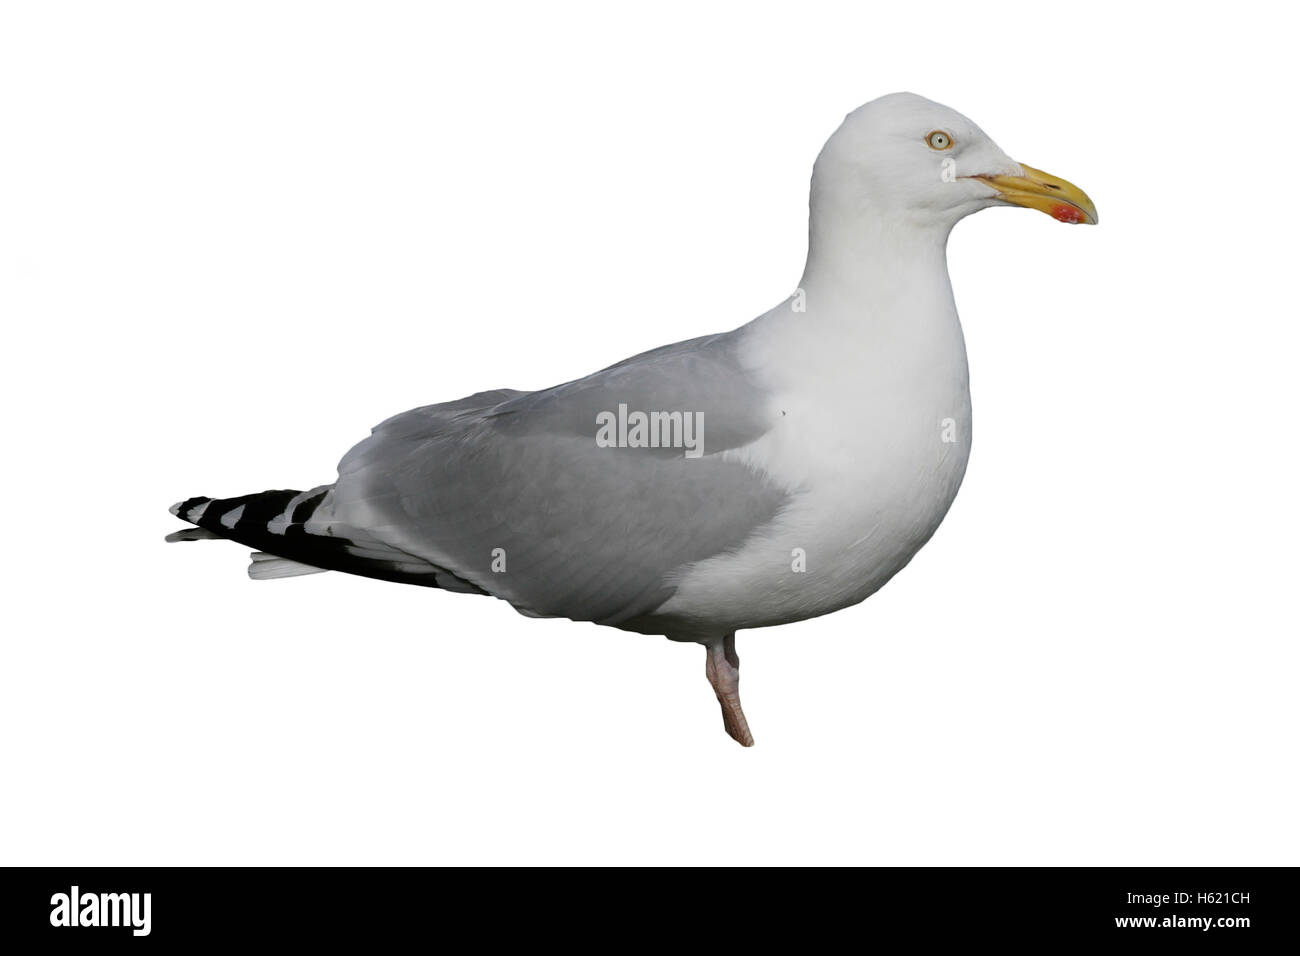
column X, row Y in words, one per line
column 722, row 667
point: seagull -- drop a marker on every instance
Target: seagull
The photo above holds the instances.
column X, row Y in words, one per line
column 762, row 476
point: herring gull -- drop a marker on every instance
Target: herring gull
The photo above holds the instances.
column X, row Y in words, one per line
column 777, row 472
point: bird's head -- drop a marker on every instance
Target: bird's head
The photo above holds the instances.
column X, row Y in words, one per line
column 905, row 158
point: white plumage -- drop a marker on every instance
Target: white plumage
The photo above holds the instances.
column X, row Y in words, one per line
column 833, row 433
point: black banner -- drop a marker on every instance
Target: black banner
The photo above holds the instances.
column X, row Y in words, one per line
column 1226, row 908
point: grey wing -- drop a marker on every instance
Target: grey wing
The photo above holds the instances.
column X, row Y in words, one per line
column 510, row 490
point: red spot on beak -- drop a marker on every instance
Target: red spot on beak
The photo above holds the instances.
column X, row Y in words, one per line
column 1063, row 213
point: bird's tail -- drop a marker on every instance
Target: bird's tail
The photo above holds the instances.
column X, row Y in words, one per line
column 254, row 520
column 293, row 533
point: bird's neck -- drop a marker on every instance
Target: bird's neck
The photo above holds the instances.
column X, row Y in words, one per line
column 874, row 299
column 864, row 262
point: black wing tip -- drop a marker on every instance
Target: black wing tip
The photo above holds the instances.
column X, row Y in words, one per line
column 182, row 508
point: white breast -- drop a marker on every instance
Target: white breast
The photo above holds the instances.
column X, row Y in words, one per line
column 871, row 436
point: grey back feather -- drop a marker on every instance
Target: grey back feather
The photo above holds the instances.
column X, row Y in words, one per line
column 510, row 490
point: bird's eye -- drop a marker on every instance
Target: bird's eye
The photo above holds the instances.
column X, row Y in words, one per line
column 939, row 140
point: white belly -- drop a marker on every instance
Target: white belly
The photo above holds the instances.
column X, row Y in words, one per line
column 873, row 461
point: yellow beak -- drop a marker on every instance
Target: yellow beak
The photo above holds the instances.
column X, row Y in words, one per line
column 1036, row 189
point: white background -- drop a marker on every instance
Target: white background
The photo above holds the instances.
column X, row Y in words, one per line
column 235, row 237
